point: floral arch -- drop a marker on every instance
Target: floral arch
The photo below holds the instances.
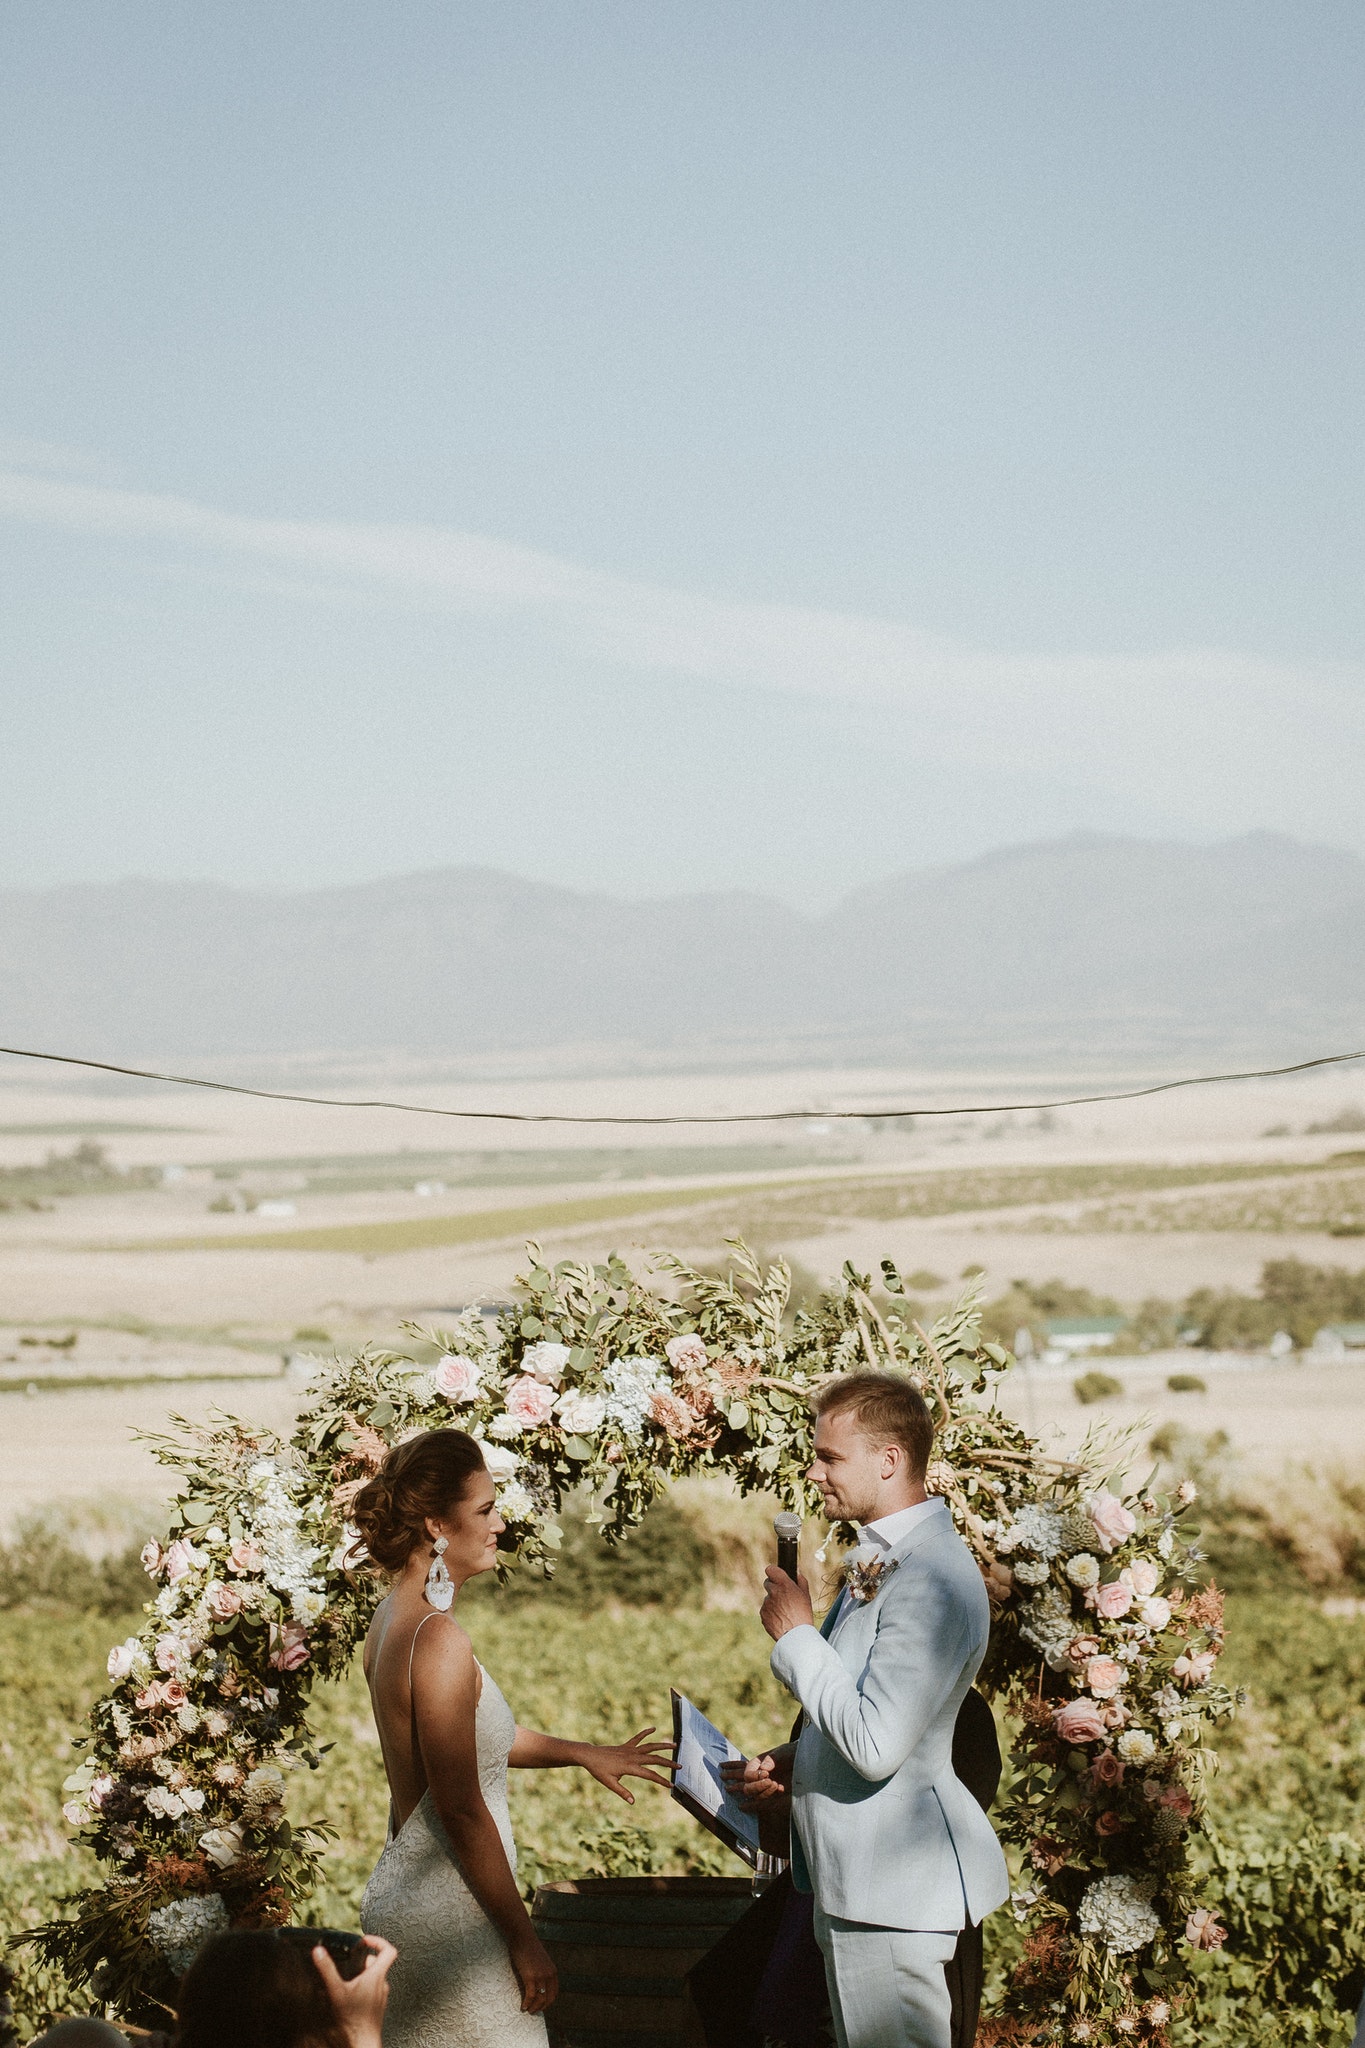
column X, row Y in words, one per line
column 1102, row 1649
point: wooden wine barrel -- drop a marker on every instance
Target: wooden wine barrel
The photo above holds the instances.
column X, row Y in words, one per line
column 622, row 1946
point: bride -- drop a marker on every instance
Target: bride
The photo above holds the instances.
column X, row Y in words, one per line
column 470, row 1970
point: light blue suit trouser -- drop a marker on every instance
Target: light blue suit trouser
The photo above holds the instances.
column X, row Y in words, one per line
column 886, row 1984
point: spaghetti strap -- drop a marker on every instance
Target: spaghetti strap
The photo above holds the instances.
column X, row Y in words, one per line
column 413, row 1644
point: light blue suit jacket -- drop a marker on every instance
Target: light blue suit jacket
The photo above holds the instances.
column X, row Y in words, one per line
column 883, row 1831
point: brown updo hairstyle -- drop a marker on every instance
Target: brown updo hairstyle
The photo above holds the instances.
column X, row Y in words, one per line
column 420, row 1479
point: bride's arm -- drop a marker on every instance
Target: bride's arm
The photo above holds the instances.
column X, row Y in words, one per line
column 444, row 1699
column 607, row 1762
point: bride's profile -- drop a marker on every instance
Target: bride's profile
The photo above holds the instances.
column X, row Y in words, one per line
column 470, row 1966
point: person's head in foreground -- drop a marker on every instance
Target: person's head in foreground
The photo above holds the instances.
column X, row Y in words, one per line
column 873, row 1437
column 432, row 1500
column 82, row 2034
column 263, row 1988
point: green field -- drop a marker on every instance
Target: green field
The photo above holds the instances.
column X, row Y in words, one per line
column 1289, row 1805
column 785, row 1211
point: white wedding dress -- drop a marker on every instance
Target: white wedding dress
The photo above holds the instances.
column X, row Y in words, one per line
column 453, row 1985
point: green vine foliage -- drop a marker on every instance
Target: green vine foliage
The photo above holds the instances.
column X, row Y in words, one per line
column 604, row 1384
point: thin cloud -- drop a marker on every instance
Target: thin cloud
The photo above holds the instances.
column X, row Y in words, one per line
column 1223, row 735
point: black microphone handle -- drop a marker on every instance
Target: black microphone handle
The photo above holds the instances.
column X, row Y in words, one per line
column 788, row 1557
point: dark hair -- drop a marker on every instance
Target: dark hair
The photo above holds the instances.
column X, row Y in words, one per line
column 886, row 1408
column 423, row 1477
column 249, row 1989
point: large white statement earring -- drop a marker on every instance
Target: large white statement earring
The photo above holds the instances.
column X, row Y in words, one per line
column 439, row 1589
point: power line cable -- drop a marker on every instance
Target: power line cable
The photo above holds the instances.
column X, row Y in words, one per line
column 752, row 1116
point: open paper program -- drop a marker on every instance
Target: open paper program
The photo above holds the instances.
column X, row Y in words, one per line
column 697, row 1782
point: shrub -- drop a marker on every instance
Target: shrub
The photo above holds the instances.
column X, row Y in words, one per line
column 665, row 1562
column 43, row 1567
column 1096, row 1386
column 1186, row 1383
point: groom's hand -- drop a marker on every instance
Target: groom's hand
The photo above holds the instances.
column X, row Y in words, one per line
column 787, row 1604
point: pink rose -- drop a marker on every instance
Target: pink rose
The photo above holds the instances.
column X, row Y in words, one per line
column 1195, row 1667
column 99, row 1791
column 223, row 1601
column 685, row 1354
column 246, row 1557
column 1113, row 1713
column 457, row 1377
column 1078, row 1721
column 1203, row 1929
column 529, row 1401
column 182, row 1557
column 1178, row 1799
column 151, row 1559
column 1143, row 1576
column 1104, row 1677
column 1113, row 1523
column 171, row 1653
column 1082, row 1648
column 162, row 1692
column 289, row 1646
column 1113, row 1601
column 1107, row 1769
column 1110, row 1823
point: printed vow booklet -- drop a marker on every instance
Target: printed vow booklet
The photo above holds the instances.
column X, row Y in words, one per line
column 698, row 1785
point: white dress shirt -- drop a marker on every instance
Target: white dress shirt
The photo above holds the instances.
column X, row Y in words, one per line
column 879, row 1539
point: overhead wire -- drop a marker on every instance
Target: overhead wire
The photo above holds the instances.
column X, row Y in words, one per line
column 753, row 1116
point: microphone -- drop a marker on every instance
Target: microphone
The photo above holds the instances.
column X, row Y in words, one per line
column 787, row 1529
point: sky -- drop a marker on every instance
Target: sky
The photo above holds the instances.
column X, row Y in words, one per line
column 656, row 448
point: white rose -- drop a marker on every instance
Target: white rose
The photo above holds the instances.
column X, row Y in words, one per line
column 500, row 1462
column 580, row 1414
column 222, row 1846
column 546, row 1362
column 456, row 1377
column 1084, row 1570
column 1156, row 1612
column 166, row 1805
column 74, row 1814
column 192, row 1798
column 122, row 1658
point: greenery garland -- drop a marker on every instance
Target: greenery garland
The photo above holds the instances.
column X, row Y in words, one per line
column 1103, row 1646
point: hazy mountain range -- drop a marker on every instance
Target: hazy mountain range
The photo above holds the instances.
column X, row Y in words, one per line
column 1117, row 947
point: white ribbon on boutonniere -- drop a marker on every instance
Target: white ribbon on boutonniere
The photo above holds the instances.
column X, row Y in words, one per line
column 865, row 1577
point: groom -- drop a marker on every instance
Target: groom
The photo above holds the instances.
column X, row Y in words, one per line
column 897, row 1852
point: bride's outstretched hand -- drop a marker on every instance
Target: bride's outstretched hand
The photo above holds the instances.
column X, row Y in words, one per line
column 637, row 1758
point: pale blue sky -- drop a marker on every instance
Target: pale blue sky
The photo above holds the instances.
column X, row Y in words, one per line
column 661, row 446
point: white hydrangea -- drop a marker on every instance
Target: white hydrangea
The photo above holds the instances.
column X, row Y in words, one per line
column 1031, row 1571
column 181, row 1929
column 1118, row 1912
column 1035, row 1528
column 631, row 1383
column 276, row 1522
column 1083, row 1570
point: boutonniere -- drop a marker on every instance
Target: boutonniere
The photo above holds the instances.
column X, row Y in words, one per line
column 865, row 1580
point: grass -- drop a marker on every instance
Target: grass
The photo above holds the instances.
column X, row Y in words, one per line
column 1295, row 1758
column 369, row 1172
